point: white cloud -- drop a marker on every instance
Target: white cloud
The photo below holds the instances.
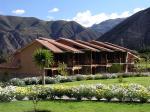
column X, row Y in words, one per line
column 19, row 11
column 87, row 19
column 137, row 10
column 49, row 18
column 54, row 10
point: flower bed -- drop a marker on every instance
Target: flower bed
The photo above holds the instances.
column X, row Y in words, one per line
column 119, row 92
column 62, row 79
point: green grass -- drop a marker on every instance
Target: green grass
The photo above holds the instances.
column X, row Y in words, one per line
column 73, row 106
column 143, row 65
column 139, row 80
column 83, row 106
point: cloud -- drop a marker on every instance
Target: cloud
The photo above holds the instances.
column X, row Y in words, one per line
column 137, row 10
column 53, row 10
column 87, row 19
column 19, row 11
column 49, row 18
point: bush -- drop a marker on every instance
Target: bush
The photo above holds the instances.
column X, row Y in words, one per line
column 123, row 92
column 49, row 80
column 97, row 77
column 66, row 79
column 80, row 77
column 31, row 81
column 7, row 94
column 17, row 82
column 58, row 91
column 115, row 68
column 20, row 93
column 89, row 77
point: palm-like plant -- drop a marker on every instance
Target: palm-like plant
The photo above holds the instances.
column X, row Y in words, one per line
column 43, row 58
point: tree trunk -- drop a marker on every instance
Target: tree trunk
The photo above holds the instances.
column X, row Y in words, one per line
column 43, row 76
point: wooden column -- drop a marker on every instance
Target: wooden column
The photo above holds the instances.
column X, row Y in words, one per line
column 126, row 63
column 78, row 62
column 91, row 62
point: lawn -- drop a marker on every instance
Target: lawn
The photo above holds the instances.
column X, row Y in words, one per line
column 83, row 106
column 139, row 80
column 73, row 106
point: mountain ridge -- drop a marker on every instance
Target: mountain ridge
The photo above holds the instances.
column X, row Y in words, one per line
column 133, row 33
column 16, row 32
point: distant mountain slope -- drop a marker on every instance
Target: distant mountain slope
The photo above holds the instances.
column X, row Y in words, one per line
column 134, row 32
column 107, row 25
column 15, row 32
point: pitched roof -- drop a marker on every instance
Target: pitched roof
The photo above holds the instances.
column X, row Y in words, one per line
column 85, row 47
column 62, row 46
column 129, row 50
column 107, row 46
column 95, row 46
column 50, row 46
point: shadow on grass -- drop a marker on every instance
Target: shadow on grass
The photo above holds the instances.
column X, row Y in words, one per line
column 38, row 111
column 101, row 101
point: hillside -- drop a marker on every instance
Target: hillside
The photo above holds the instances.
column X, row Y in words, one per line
column 134, row 32
column 15, row 32
column 107, row 25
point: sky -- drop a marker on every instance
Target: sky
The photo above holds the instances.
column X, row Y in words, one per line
column 85, row 12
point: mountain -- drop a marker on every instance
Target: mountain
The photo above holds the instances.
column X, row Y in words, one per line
column 134, row 32
column 16, row 32
column 107, row 25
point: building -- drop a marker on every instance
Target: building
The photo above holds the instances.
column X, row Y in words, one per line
column 81, row 57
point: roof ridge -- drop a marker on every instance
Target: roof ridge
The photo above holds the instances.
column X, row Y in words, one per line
column 110, row 46
column 124, row 48
column 79, row 44
column 96, row 46
column 68, row 48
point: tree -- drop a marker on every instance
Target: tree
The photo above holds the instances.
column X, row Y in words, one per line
column 62, row 69
column 43, row 58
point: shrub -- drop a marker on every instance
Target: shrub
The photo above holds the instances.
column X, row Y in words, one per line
column 76, row 93
column 20, row 93
column 120, row 78
column 31, row 81
column 49, row 80
column 80, row 77
column 115, row 68
column 87, row 91
column 89, row 77
column 108, row 93
column 62, row 69
column 97, row 77
column 58, row 91
column 17, row 82
column 123, row 92
column 7, row 94
column 66, row 79
column 99, row 94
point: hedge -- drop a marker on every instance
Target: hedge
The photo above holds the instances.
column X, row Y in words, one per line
column 118, row 92
column 62, row 79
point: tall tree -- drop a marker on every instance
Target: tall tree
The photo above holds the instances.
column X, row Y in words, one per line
column 43, row 58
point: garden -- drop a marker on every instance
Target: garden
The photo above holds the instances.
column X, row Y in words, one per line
column 110, row 92
column 92, row 93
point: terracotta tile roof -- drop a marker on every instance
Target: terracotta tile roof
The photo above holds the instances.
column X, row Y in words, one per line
column 107, row 46
column 62, row 46
column 95, row 46
column 50, row 46
column 129, row 50
column 85, row 47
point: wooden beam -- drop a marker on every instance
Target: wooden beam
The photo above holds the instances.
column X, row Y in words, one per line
column 126, row 63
